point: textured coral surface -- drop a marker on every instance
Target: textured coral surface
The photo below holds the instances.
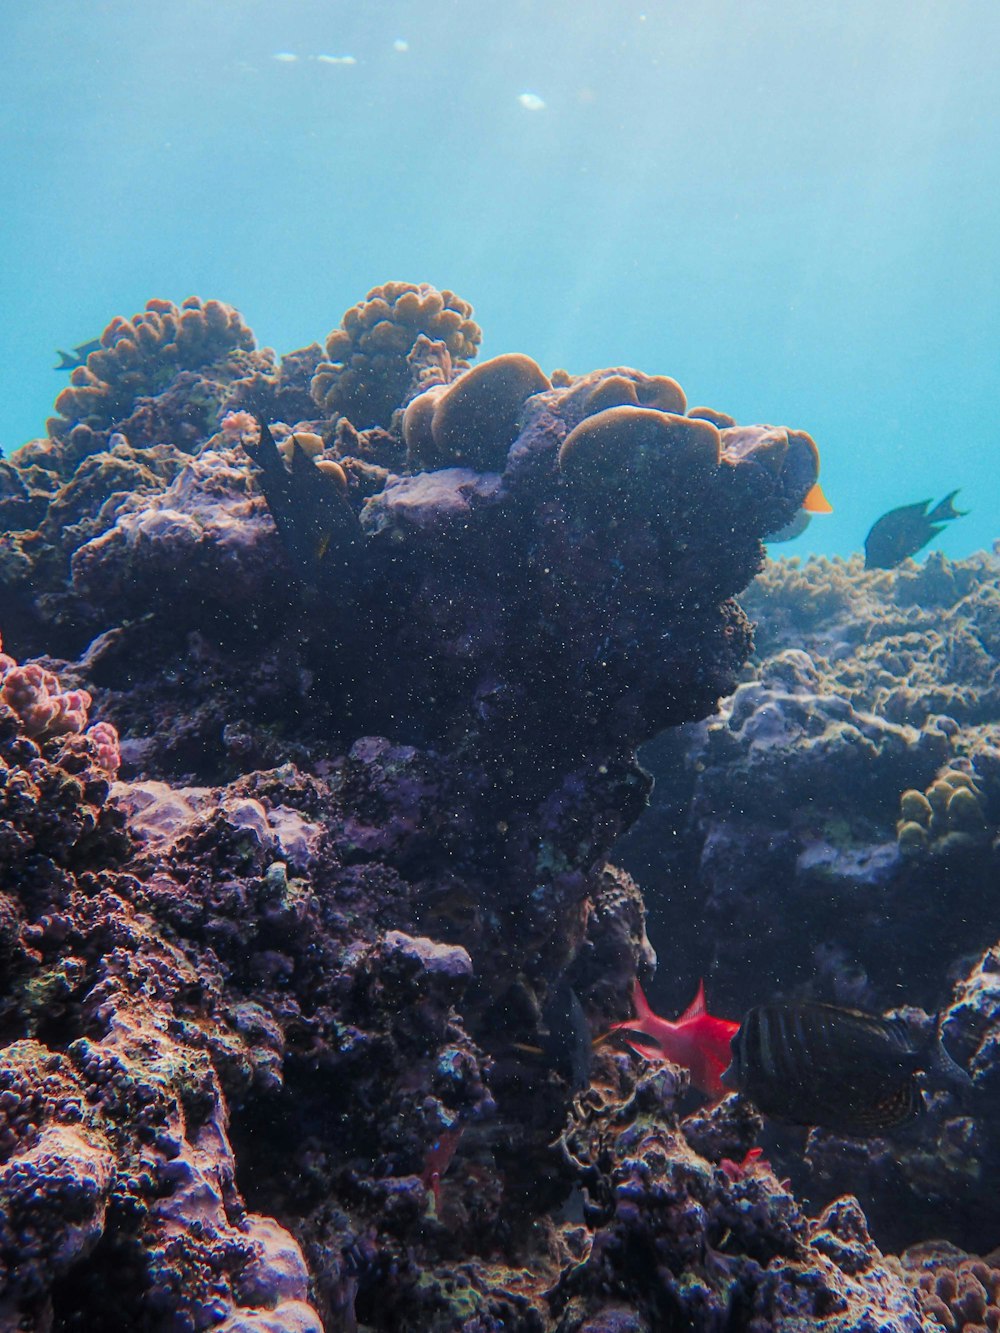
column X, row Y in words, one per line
column 297, row 1012
column 834, row 833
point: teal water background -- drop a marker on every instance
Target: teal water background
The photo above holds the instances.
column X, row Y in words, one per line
column 793, row 208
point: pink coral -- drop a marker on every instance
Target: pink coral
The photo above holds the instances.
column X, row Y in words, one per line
column 237, row 426
column 107, row 752
column 45, row 710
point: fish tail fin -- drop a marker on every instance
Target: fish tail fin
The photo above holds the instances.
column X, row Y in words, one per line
column 943, row 1067
column 945, row 509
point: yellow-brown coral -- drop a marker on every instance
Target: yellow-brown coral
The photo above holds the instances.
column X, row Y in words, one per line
column 950, row 814
column 368, row 372
column 632, row 388
column 142, row 355
column 473, row 421
column 953, row 1289
column 635, row 450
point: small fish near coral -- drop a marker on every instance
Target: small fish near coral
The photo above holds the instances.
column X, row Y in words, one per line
column 78, row 357
column 850, row 1072
column 309, row 505
column 904, row 531
column 814, row 503
column 697, row 1040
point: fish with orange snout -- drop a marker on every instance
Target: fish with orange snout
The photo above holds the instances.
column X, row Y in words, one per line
column 697, row 1040
column 814, row 503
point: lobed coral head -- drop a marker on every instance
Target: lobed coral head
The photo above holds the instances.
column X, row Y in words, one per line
column 638, row 452
column 368, row 371
column 473, row 421
column 141, row 355
column 34, row 696
column 43, row 710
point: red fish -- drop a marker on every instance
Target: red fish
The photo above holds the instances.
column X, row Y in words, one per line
column 437, row 1162
column 696, row 1040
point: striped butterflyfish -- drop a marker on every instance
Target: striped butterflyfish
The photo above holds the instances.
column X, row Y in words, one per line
column 817, row 1064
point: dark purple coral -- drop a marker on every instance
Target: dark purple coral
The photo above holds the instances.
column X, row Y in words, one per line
column 115, row 1165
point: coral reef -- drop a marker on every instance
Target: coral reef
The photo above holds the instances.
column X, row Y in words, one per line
column 833, row 833
column 296, row 1014
column 114, row 1156
column 955, row 1290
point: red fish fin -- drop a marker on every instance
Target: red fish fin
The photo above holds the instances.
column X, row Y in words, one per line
column 696, row 1007
column 640, row 1003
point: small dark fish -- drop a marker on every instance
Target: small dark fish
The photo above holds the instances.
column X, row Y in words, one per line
column 816, row 1064
column 315, row 521
column 563, row 1036
column 903, row 532
column 78, row 356
column 566, row 1038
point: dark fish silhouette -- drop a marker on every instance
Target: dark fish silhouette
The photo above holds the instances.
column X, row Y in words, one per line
column 566, row 1036
column 903, row 532
column 563, row 1036
column 816, row 1064
column 78, row 356
column 318, row 527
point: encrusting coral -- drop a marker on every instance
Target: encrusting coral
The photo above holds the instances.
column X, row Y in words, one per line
column 113, row 1145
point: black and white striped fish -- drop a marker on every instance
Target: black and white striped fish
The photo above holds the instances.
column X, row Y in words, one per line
column 816, row 1064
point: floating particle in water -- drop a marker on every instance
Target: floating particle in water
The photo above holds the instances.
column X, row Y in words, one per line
column 286, row 57
column 400, row 44
column 336, row 60
column 531, row 102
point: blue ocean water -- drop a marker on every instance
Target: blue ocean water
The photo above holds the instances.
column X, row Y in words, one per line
column 791, row 207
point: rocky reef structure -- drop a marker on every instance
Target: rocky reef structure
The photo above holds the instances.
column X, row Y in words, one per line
column 114, row 1155
column 833, row 834
column 297, row 1011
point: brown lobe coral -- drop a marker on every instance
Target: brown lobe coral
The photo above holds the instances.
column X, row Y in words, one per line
column 368, row 369
column 473, row 421
column 637, row 390
column 141, row 356
column 637, row 451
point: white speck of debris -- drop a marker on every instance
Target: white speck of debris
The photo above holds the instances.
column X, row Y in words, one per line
column 531, row 102
column 286, row 57
column 400, row 44
column 337, row 60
